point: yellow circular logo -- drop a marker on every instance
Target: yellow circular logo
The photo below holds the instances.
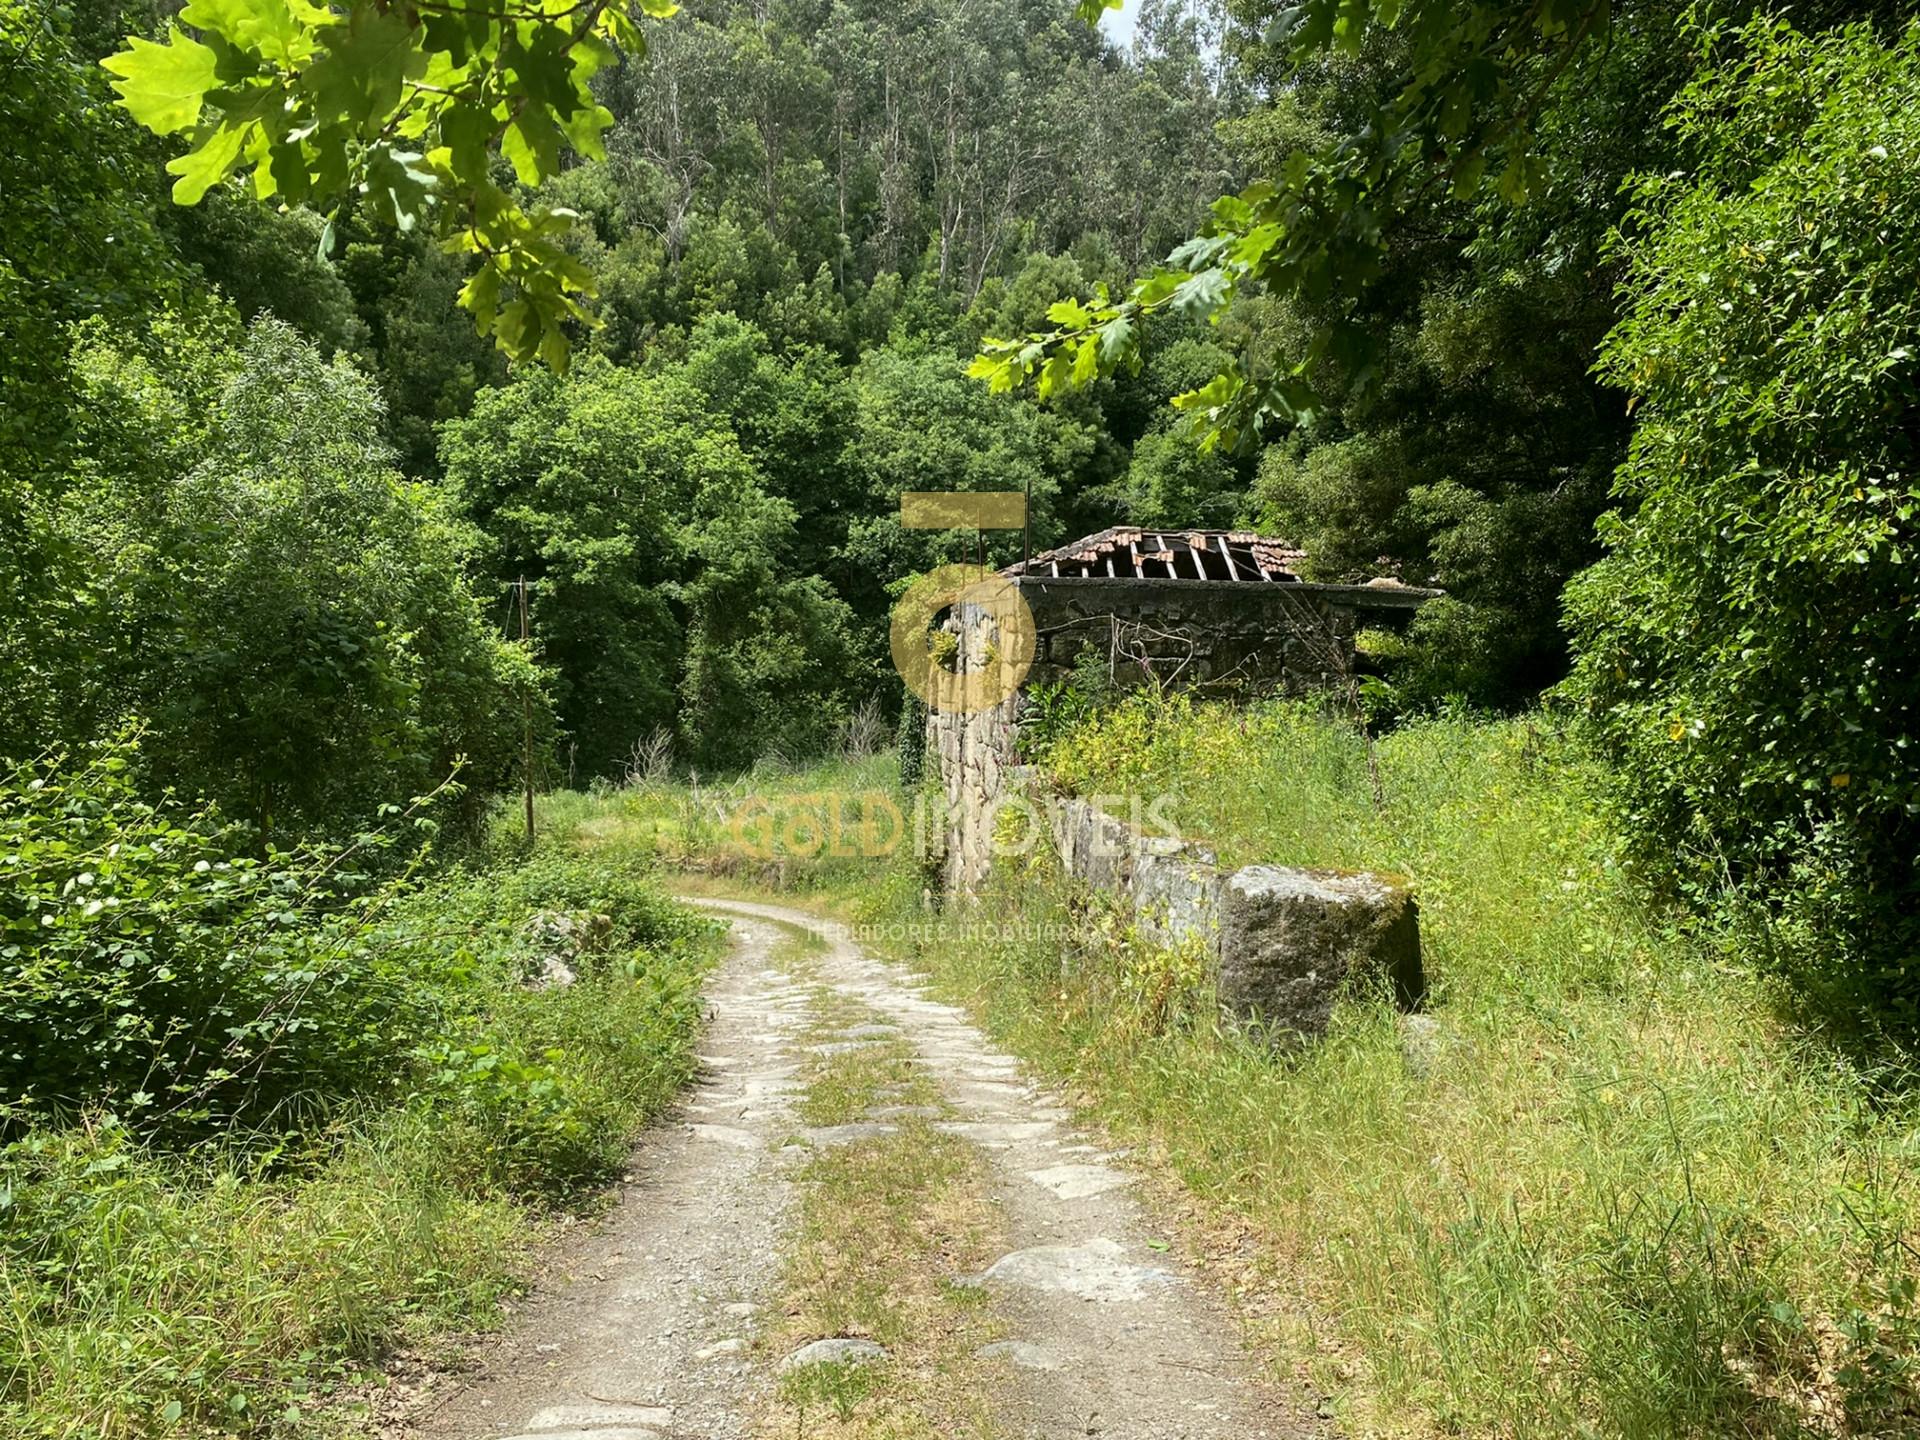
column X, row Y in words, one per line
column 982, row 680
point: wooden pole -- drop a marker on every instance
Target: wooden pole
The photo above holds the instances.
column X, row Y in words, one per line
column 1026, row 527
column 526, row 715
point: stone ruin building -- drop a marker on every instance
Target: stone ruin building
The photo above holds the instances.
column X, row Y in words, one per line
column 1224, row 613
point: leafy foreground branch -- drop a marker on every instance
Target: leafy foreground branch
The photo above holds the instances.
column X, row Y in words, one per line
column 399, row 108
column 266, row 1120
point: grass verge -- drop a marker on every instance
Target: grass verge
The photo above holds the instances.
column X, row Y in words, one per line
column 888, row 1224
column 238, row 1285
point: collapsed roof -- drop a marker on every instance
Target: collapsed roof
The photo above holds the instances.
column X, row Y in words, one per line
column 1126, row 552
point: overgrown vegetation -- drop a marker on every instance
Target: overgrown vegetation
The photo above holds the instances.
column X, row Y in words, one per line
column 268, row 1118
column 270, row 508
column 1747, row 650
column 1623, row 1191
column 1618, row 1193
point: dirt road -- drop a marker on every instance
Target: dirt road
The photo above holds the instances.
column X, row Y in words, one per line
column 741, row 1229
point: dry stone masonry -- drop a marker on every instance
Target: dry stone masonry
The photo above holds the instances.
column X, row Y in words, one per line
column 1293, row 941
column 1287, row 942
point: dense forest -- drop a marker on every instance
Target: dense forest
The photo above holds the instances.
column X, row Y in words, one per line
column 270, row 494
column 805, row 220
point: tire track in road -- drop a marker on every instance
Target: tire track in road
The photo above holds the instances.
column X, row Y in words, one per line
column 647, row 1335
column 1106, row 1338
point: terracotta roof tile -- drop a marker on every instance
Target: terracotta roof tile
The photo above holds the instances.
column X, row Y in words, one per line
column 1130, row 552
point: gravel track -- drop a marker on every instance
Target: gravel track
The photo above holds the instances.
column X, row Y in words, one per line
column 646, row 1332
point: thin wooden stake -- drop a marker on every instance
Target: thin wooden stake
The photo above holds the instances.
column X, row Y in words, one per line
column 1026, row 527
column 526, row 714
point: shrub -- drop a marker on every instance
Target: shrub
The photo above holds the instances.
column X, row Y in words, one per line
column 288, row 614
column 613, row 880
column 542, row 1082
column 543, row 1088
column 149, row 966
column 1749, row 652
column 910, row 742
column 216, row 1288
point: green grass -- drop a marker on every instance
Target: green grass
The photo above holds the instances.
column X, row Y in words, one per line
column 1626, row 1198
column 235, row 1288
column 887, row 1227
column 776, row 826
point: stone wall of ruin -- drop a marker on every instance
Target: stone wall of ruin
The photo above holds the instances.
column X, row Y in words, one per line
column 1216, row 638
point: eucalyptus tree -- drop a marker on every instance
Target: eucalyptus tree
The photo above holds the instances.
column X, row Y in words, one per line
column 868, row 139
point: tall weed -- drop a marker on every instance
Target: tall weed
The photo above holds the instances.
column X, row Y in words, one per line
column 1624, row 1197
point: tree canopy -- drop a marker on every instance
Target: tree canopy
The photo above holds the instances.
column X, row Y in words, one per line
column 1747, row 647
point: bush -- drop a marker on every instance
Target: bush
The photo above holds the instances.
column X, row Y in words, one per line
column 910, row 742
column 227, row 1287
column 289, row 615
column 616, row 881
column 150, row 967
column 1749, row 653
column 542, row 1088
column 542, row 1082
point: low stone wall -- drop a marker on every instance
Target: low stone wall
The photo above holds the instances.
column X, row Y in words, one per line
column 1173, row 886
column 1288, row 942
